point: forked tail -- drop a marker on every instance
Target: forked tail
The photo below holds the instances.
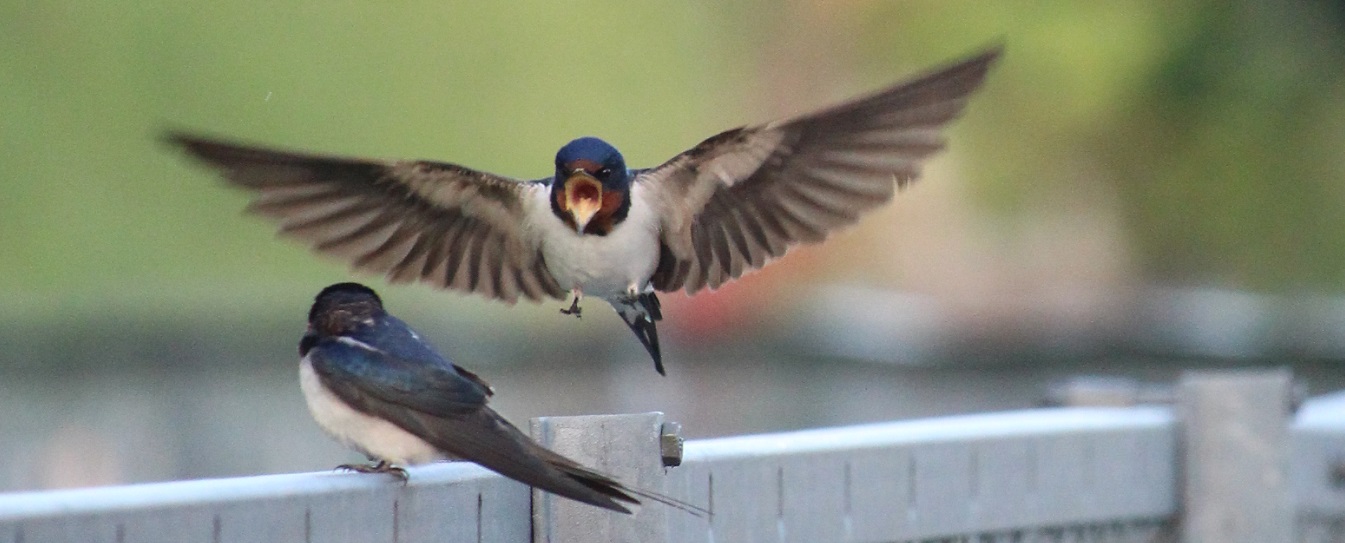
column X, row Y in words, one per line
column 641, row 315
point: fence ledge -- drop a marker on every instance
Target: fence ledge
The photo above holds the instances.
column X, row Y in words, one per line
column 1038, row 473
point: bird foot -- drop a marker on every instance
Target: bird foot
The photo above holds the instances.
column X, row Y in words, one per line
column 574, row 309
column 381, row 467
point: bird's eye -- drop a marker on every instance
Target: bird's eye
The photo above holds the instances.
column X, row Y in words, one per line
column 605, row 172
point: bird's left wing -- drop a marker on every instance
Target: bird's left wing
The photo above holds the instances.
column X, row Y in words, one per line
column 740, row 198
column 447, row 225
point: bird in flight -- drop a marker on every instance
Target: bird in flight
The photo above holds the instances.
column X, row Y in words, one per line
column 597, row 227
column 373, row 384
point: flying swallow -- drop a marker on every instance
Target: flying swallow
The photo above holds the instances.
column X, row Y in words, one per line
column 596, row 227
column 373, row 384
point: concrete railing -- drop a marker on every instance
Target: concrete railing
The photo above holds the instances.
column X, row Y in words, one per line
column 1227, row 463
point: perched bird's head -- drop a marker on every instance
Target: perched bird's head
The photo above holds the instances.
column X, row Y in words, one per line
column 589, row 189
column 343, row 307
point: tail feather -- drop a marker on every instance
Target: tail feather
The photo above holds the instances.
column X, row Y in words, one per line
column 606, row 485
column 641, row 315
column 491, row 441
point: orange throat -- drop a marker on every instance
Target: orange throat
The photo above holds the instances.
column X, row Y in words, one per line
column 586, row 207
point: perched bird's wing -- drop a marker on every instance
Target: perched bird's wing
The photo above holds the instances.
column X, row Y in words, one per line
column 403, row 345
column 361, row 374
column 449, row 412
column 443, row 224
column 742, row 197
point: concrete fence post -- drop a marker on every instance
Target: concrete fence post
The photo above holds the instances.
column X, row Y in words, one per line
column 626, row 447
column 1235, row 456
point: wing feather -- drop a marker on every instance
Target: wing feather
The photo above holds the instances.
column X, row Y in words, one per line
column 428, row 386
column 440, row 223
column 446, row 406
column 742, row 197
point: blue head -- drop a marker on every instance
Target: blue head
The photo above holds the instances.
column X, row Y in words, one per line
column 339, row 310
column 589, row 190
column 342, row 307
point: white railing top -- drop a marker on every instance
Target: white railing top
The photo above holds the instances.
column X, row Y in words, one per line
column 1326, row 412
column 1034, row 422
column 51, row 503
column 444, row 502
column 1034, row 472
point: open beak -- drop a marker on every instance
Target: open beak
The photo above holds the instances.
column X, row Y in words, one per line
column 583, row 198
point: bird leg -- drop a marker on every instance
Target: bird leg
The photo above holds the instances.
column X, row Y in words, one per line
column 574, row 308
column 381, row 467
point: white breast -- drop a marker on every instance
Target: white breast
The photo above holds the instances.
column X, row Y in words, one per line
column 603, row 266
column 372, row 436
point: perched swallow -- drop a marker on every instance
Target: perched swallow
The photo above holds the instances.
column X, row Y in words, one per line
column 597, row 227
column 373, row 384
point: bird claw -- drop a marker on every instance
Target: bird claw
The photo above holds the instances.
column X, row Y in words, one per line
column 574, row 309
column 381, row 467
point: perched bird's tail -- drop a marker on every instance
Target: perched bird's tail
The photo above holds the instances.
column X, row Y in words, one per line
column 609, row 487
column 488, row 439
column 641, row 316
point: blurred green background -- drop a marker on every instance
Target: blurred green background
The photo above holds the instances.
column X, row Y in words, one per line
column 1120, row 151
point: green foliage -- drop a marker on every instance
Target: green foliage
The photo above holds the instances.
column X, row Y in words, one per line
column 1229, row 157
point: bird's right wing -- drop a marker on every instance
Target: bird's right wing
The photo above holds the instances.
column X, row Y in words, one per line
column 741, row 198
column 446, row 225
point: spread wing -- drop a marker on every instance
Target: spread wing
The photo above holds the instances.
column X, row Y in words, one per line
column 745, row 196
column 443, row 224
